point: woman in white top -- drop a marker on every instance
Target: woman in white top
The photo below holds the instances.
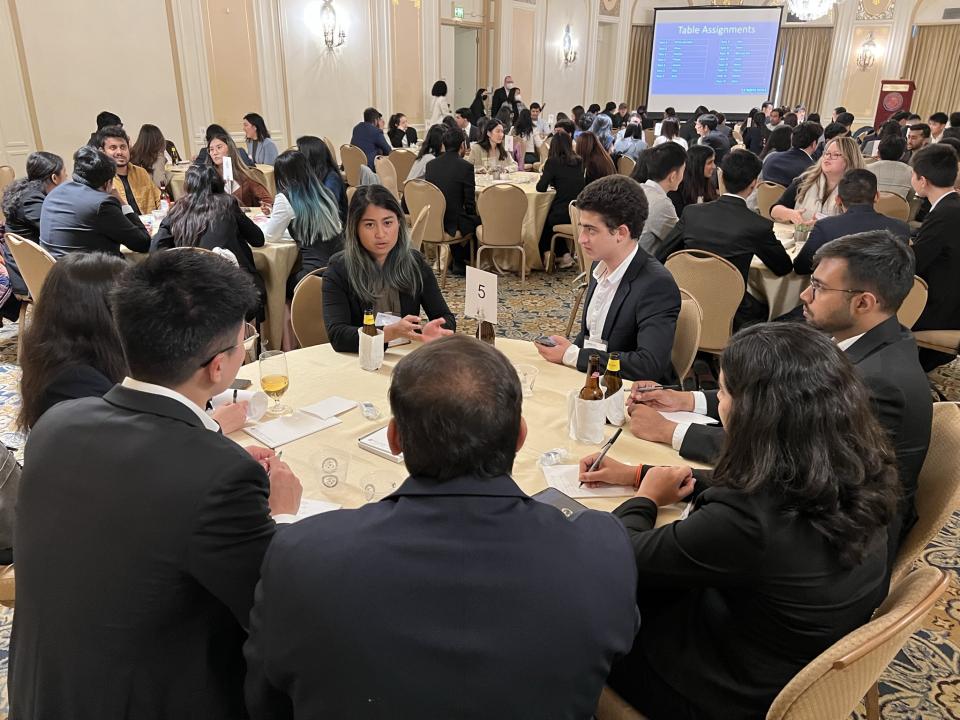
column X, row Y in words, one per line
column 814, row 193
column 490, row 149
column 670, row 132
column 439, row 107
column 431, row 148
column 526, row 140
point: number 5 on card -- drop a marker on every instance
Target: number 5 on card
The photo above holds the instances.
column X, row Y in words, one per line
column 481, row 289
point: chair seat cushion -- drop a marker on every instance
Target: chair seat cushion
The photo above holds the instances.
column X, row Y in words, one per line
column 945, row 341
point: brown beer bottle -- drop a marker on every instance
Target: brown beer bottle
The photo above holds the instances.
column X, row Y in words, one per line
column 591, row 390
column 611, row 378
column 368, row 327
column 485, row 330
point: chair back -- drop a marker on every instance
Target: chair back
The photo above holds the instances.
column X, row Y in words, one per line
column 387, row 173
column 502, row 209
column 613, row 707
column 420, row 194
column 649, row 137
column 831, row 686
column 582, row 260
column 938, row 487
column 738, row 136
column 419, row 228
column 869, row 160
column 333, row 150
column 353, row 157
column 351, row 191
column 34, row 263
column 7, row 176
column 306, row 310
column 718, row 287
column 912, row 306
column 686, row 340
column 403, row 161
column 767, row 194
column 892, row 205
column 625, row 165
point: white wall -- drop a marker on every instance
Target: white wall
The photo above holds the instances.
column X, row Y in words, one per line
column 16, row 133
column 565, row 85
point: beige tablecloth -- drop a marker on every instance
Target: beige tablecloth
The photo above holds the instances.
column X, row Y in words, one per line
column 538, row 205
column 318, row 372
column 178, row 174
column 781, row 294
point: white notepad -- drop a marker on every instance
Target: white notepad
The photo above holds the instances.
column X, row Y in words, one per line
column 566, row 479
column 281, row 431
column 376, row 442
column 309, row 508
column 681, row 416
column 331, row 407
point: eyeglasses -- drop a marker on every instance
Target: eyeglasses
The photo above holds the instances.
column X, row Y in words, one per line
column 833, row 156
column 818, row 287
column 220, row 352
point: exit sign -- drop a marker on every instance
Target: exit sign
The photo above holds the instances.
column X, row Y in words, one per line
column 458, row 13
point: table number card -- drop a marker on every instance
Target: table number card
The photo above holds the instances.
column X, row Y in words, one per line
column 481, row 295
column 508, row 143
column 227, row 169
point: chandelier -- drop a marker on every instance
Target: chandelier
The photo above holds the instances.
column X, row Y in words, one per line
column 807, row 10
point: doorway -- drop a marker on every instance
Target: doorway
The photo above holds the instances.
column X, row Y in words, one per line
column 466, row 65
column 606, row 63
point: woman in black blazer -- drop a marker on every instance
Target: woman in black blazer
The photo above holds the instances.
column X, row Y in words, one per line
column 378, row 270
column 784, row 551
column 563, row 170
column 207, row 217
column 400, row 134
column 753, row 135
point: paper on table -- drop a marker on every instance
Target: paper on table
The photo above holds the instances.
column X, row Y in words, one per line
column 682, row 416
column 310, row 507
column 287, row 429
column 332, row 406
column 566, row 479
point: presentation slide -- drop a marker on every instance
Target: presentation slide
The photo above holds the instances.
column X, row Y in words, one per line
column 721, row 57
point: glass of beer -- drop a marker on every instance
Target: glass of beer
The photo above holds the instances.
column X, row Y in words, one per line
column 275, row 380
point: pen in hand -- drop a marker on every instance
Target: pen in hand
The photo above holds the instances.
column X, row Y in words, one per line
column 658, row 387
column 603, row 452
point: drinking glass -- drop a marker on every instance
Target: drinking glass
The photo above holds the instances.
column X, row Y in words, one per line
column 528, row 376
column 274, row 379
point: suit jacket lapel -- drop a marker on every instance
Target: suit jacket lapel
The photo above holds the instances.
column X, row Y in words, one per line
column 623, row 289
column 591, row 289
column 883, row 334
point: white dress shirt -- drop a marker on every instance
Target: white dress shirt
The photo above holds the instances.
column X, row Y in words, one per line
column 599, row 307
column 208, row 422
column 933, row 205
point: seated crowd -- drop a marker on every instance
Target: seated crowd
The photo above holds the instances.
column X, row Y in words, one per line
column 458, row 595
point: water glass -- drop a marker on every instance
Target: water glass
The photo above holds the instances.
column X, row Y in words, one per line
column 528, row 376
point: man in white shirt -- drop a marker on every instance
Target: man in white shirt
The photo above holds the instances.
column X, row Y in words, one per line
column 539, row 122
column 938, row 123
column 665, row 167
column 632, row 302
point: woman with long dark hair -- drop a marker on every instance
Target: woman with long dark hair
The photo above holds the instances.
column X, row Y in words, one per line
column 784, row 551
column 777, row 141
column 753, row 135
column 260, row 147
column 430, row 149
column 207, row 217
column 322, row 163
column 596, row 160
column 246, row 187
column 400, row 133
column 378, row 270
column 670, row 132
column 150, row 152
column 563, row 171
column 526, row 141
column 204, row 154
column 305, row 207
column 490, row 149
column 477, row 108
column 697, row 184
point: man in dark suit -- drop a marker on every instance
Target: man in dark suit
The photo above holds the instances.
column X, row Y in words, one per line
column 632, row 302
column 728, row 228
column 858, row 284
column 706, row 127
column 856, row 193
column 458, row 595
column 500, row 95
column 784, row 167
column 454, row 176
column 937, row 247
column 141, row 528
column 86, row 215
column 368, row 136
column 472, row 132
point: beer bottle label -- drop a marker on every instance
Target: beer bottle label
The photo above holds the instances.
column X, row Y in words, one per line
column 368, row 319
column 613, row 365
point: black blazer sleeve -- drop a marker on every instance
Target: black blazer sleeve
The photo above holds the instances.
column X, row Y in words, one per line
column 789, row 197
column 771, row 253
column 702, row 443
column 547, row 177
column 469, row 190
column 934, row 235
column 336, row 308
column 163, row 239
column 31, row 207
column 249, row 230
column 122, row 229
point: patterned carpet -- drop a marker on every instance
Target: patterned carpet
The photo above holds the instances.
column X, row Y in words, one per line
column 923, row 682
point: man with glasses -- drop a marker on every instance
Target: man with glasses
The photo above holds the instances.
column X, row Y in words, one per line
column 857, row 287
column 141, row 528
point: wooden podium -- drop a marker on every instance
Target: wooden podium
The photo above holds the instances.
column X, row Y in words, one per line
column 895, row 95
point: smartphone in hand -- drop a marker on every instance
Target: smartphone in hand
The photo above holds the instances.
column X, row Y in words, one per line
column 545, row 341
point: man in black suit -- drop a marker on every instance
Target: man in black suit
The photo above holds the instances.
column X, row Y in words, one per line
column 856, row 193
column 784, row 167
column 141, row 528
column 86, row 215
column 632, row 302
column 500, row 95
column 472, row 132
column 706, row 127
column 458, row 595
column 454, row 176
column 728, row 228
column 937, row 247
column 858, row 284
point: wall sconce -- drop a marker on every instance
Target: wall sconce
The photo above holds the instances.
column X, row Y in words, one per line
column 868, row 54
column 569, row 54
column 322, row 18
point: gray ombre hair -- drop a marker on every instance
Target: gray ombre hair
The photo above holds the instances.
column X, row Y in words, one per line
column 401, row 269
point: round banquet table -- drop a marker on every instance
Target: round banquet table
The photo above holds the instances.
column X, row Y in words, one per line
column 178, row 174
column 318, row 372
column 538, row 205
column 781, row 294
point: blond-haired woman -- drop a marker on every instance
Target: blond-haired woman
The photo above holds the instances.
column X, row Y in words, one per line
column 814, row 193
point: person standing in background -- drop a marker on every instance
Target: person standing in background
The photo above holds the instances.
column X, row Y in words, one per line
column 439, row 106
column 500, row 95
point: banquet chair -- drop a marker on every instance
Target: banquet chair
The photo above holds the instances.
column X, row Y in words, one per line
column 387, row 173
column 938, row 488
column 568, row 231
column 502, row 209
column 767, row 194
column 403, row 161
column 941, row 341
column 351, row 191
column 686, row 339
column 892, row 205
column 831, row 686
column 419, row 228
column 738, row 136
column 544, row 153
column 625, row 165
column 649, row 137
column 614, row 707
column 353, row 157
column 912, row 306
column 34, row 263
column 717, row 286
column 308, row 325
column 8, row 586
column 333, row 150
column 420, row 194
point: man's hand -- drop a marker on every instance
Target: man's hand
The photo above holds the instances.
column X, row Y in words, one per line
column 666, row 485
column 231, row 417
column 554, row 354
column 285, row 489
column 648, row 424
column 666, row 400
column 260, row 454
column 610, row 472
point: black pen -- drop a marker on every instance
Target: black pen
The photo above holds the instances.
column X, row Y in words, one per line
column 603, row 453
column 658, row 387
